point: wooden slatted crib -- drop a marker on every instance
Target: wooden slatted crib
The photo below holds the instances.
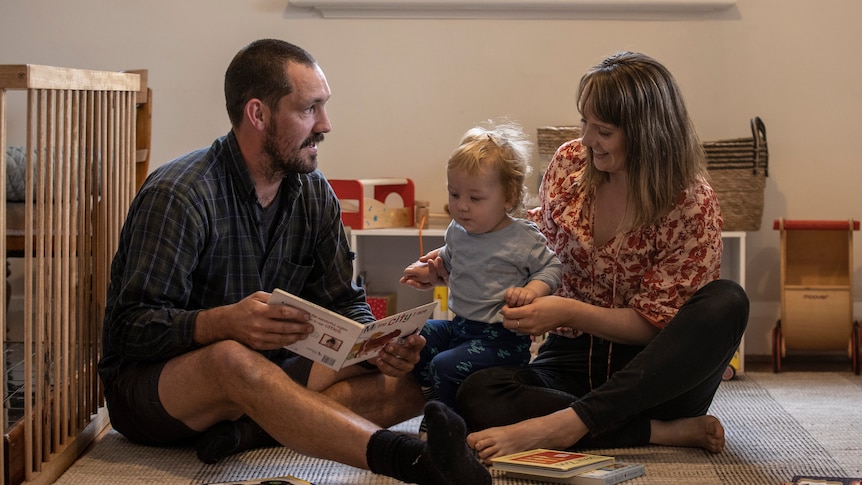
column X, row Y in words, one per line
column 79, row 136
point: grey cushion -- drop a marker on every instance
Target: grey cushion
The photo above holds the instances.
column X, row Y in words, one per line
column 16, row 159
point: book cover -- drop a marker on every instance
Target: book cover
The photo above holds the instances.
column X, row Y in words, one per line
column 550, row 463
column 338, row 341
column 816, row 480
column 606, row 475
column 282, row 480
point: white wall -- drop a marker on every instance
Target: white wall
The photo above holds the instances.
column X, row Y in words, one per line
column 405, row 90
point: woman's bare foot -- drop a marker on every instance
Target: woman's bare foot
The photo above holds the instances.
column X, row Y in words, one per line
column 700, row 431
column 558, row 430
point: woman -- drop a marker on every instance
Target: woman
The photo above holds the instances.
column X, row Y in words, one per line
column 641, row 329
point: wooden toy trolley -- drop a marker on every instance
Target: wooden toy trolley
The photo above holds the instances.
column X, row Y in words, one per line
column 816, row 289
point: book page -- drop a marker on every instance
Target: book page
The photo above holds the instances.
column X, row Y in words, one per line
column 338, row 341
column 333, row 335
column 377, row 334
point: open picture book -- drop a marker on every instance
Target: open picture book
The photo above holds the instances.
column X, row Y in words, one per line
column 338, row 341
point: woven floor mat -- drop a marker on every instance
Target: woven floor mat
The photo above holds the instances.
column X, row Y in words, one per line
column 777, row 426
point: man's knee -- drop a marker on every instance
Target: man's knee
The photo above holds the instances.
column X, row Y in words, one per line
column 228, row 363
column 230, row 354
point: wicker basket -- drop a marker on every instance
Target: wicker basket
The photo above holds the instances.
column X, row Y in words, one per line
column 737, row 172
column 550, row 138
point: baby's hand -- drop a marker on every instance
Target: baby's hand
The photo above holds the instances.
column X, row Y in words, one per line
column 519, row 296
column 416, row 275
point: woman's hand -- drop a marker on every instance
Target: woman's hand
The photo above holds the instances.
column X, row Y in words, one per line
column 417, row 275
column 426, row 273
column 571, row 318
column 543, row 314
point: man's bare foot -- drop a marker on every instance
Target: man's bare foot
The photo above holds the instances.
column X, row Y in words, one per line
column 700, row 432
column 558, row 430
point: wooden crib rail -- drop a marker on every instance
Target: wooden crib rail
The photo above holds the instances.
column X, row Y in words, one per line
column 80, row 179
column 34, row 76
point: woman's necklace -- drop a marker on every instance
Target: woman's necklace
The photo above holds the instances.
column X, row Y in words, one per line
column 593, row 259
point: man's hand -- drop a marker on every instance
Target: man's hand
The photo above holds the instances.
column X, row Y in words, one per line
column 253, row 322
column 399, row 356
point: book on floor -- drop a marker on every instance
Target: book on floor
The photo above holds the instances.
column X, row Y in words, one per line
column 338, row 341
column 606, row 475
column 282, row 480
column 822, row 480
column 550, row 463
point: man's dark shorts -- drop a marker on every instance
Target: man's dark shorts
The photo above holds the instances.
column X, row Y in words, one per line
column 136, row 412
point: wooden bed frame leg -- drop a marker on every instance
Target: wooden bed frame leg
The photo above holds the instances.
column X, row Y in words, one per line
column 776, row 348
column 855, row 344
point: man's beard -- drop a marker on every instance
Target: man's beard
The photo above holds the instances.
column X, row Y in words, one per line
column 281, row 164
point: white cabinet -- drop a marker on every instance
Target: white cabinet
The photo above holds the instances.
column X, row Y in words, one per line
column 733, row 268
column 382, row 255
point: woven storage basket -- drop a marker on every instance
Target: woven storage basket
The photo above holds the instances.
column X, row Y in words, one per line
column 737, row 167
column 737, row 172
column 550, row 138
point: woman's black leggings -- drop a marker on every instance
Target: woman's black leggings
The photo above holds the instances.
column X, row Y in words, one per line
column 617, row 389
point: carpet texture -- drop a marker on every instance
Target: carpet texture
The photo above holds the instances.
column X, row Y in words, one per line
column 777, row 426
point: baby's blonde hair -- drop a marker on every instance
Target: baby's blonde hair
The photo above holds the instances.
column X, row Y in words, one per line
column 502, row 147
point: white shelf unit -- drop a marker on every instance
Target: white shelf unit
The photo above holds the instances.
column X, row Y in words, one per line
column 382, row 254
column 733, row 268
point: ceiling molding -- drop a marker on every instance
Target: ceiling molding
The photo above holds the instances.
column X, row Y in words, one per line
column 514, row 9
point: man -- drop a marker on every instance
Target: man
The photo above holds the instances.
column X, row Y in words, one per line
column 192, row 350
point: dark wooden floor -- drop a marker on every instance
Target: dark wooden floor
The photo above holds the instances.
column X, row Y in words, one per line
column 837, row 362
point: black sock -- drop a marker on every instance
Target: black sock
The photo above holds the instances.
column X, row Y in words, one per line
column 398, row 456
column 446, row 461
column 447, row 444
column 230, row 437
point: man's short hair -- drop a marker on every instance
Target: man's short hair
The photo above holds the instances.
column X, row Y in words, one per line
column 258, row 71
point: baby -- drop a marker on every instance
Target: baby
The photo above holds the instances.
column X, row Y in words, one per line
column 493, row 259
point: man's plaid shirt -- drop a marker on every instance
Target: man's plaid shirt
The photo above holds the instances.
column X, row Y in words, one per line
column 195, row 238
